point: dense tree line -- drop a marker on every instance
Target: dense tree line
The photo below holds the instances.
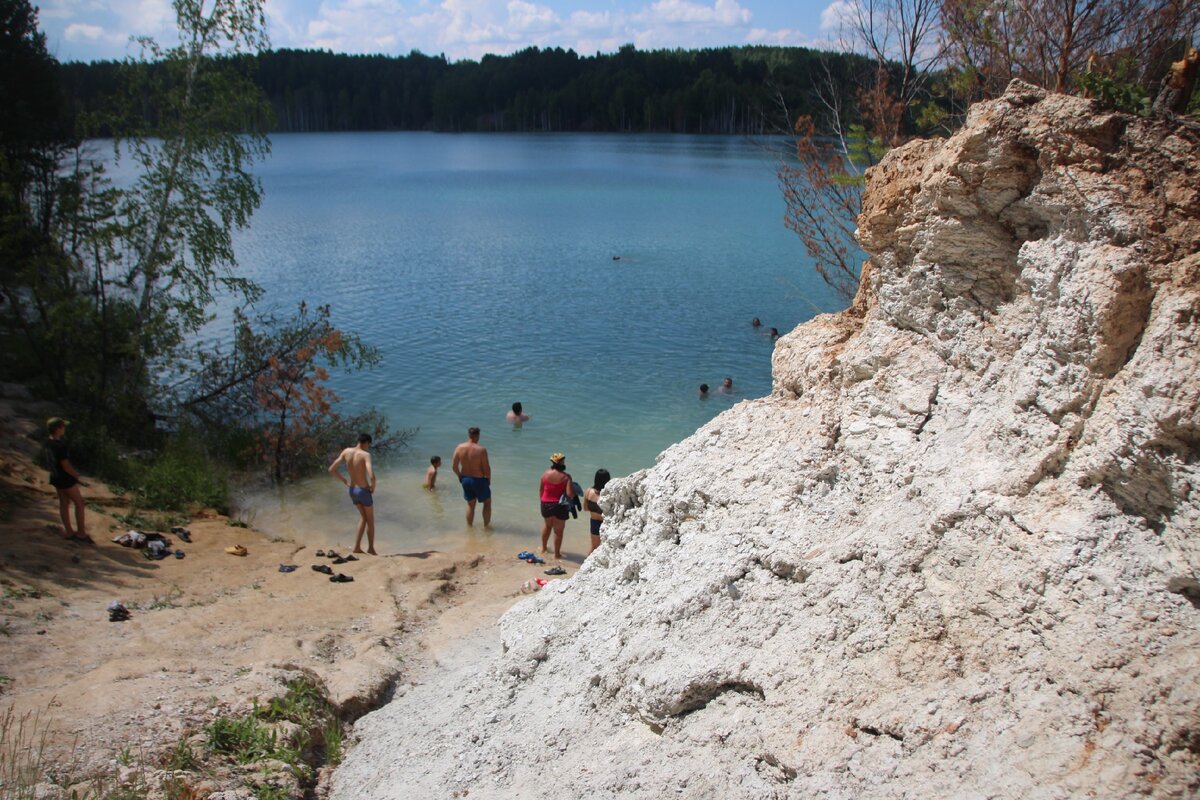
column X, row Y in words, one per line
column 725, row 90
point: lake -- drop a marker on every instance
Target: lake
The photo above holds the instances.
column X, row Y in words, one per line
column 597, row 279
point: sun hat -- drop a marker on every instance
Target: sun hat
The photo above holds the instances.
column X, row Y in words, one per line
column 557, row 457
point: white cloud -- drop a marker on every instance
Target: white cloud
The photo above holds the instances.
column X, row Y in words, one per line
column 524, row 16
column 837, row 15
column 77, row 31
column 722, row 12
column 784, row 37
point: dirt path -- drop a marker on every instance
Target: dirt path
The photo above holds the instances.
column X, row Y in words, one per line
column 211, row 633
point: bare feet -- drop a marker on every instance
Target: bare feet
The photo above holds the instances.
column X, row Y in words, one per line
column 82, row 537
column 357, row 550
column 371, row 552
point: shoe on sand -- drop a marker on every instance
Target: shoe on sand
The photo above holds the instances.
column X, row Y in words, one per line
column 556, row 571
column 322, row 568
column 340, row 578
column 288, row 568
column 236, row 550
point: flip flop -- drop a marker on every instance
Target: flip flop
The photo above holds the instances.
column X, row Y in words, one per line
column 535, row 560
column 540, row 581
column 332, row 554
column 179, row 554
column 350, row 557
column 320, row 554
column 288, row 568
column 524, row 555
column 340, row 578
column 236, row 550
column 322, row 568
column 556, row 571
column 341, row 560
column 182, row 533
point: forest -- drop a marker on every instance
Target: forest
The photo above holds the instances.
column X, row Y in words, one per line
column 732, row 90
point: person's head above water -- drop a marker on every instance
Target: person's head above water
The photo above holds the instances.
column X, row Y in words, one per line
column 756, row 322
column 704, row 388
column 728, row 383
column 516, row 407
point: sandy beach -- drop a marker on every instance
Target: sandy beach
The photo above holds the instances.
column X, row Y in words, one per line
column 210, row 634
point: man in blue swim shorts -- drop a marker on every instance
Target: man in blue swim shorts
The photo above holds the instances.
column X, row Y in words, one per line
column 361, row 482
column 474, row 472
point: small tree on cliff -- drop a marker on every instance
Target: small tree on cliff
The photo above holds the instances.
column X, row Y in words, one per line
column 822, row 178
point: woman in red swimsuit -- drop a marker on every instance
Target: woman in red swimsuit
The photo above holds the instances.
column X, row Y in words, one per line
column 555, row 483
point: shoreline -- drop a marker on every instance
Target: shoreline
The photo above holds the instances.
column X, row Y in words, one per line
column 211, row 636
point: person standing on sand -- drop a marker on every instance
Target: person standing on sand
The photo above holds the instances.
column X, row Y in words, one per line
column 591, row 501
column 470, row 464
column 555, row 483
column 362, row 488
column 65, row 480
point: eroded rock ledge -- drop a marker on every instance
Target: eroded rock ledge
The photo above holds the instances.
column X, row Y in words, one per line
column 955, row 553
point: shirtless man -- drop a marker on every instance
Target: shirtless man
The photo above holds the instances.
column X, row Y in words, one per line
column 474, row 472
column 362, row 487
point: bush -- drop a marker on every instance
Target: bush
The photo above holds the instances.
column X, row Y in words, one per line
column 180, row 475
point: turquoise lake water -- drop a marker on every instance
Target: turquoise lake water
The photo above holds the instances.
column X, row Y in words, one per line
column 483, row 268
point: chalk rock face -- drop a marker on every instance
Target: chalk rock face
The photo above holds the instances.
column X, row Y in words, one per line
column 954, row 554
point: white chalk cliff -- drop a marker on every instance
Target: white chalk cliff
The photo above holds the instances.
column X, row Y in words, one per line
column 954, row 554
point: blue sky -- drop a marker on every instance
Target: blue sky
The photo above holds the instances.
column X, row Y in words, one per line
column 85, row 30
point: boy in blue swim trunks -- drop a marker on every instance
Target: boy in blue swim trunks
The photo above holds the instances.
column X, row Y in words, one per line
column 361, row 483
column 471, row 465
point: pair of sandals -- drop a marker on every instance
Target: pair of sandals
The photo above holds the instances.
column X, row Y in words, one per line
column 338, row 578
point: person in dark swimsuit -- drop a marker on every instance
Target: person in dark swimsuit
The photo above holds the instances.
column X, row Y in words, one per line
column 555, row 484
column 591, row 498
column 65, row 480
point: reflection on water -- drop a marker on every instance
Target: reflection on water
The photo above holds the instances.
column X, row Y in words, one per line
column 482, row 267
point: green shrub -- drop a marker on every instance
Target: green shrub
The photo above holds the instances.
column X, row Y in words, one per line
column 247, row 740
column 182, row 474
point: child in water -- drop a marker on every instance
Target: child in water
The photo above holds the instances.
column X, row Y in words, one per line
column 431, row 473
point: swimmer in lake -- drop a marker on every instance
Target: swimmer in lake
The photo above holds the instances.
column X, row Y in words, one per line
column 431, row 473
column 516, row 415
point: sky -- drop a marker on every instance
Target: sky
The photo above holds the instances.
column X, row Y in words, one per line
column 89, row 30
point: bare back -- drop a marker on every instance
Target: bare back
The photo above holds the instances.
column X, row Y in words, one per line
column 358, row 465
column 471, row 460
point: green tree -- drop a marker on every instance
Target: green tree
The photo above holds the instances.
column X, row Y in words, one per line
column 124, row 275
